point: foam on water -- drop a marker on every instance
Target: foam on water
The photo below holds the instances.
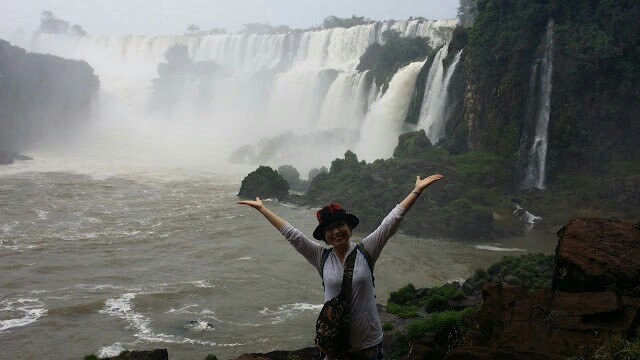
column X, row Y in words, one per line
column 496, row 248
column 111, row 350
column 289, row 311
column 31, row 309
column 200, row 325
column 123, row 308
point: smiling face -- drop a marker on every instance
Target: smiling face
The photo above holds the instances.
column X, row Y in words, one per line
column 337, row 233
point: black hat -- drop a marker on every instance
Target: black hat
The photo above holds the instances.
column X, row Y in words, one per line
column 331, row 213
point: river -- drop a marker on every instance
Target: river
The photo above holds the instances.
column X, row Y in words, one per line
column 98, row 255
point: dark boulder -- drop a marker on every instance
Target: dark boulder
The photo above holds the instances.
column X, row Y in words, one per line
column 157, row 354
column 598, row 255
column 6, row 158
column 265, row 183
column 592, row 300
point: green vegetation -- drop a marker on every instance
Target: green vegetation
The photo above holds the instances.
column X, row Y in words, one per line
column 595, row 86
column 449, row 322
column 387, row 326
column 615, row 348
column 402, row 345
column 384, row 61
column 404, row 311
column 292, row 177
column 530, row 271
column 461, row 207
column 336, row 22
column 264, row 29
column 91, row 357
column 51, row 24
column 406, row 302
column 211, row 357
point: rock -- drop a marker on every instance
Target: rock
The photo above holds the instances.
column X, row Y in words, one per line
column 42, row 97
column 597, row 255
column 464, row 302
column 593, row 299
column 6, row 158
column 426, row 349
column 310, row 353
column 265, row 183
column 22, row 157
column 157, row 354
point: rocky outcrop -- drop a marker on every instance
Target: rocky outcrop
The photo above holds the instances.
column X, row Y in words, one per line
column 594, row 297
column 157, row 354
column 41, row 96
column 265, row 183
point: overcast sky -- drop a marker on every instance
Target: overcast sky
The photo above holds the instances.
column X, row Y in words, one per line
column 159, row 17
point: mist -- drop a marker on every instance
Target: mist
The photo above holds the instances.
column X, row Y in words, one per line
column 254, row 99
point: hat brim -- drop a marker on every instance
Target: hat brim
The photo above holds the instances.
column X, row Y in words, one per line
column 351, row 220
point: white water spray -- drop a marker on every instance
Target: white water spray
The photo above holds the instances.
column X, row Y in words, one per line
column 536, row 156
column 384, row 122
column 288, row 87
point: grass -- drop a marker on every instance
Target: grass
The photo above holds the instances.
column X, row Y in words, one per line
column 448, row 321
column 615, row 348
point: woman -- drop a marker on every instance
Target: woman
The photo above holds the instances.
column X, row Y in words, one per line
column 335, row 226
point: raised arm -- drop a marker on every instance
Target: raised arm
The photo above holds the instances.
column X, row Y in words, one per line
column 274, row 219
column 421, row 184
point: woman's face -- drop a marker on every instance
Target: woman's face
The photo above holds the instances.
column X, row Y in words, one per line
column 337, row 233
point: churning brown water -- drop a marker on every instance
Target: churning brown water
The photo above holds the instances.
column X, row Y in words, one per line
column 97, row 257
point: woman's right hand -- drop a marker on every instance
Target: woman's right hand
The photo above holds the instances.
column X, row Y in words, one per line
column 256, row 204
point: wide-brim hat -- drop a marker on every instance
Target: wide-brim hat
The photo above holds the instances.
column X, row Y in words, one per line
column 332, row 213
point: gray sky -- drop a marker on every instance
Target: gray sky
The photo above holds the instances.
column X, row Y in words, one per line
column 156, row 17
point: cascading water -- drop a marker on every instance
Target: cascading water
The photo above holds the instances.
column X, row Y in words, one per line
column 532, row 153
column 298, row 89
column 432, row 114
column 384, row 122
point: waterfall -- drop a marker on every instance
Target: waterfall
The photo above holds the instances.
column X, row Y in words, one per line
column 532, row 153
column 432, row 113
column 384, row 123
column 281, row 93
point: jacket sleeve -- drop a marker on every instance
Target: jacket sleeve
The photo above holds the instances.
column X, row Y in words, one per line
column 311, row 250
column 375, row 242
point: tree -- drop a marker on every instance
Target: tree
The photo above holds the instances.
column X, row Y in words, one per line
column 442, row 35
column 467, row 11
column 334, row 21
column 264, row 29
column 77, row 30
column 193, row 29
column 51, row 24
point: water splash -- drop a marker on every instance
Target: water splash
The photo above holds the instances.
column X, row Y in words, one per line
column 384, row 123
column 433, row 118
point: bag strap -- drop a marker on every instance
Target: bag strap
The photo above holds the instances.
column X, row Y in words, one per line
column 367, row 257
column 327, row 251
column 347, row 276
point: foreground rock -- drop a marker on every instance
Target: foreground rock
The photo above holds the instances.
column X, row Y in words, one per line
column 157, row 354
column 594, row 297
column 310, row 353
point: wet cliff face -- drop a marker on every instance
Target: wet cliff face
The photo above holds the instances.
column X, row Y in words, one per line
column 42, row 97
column 594, row 87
